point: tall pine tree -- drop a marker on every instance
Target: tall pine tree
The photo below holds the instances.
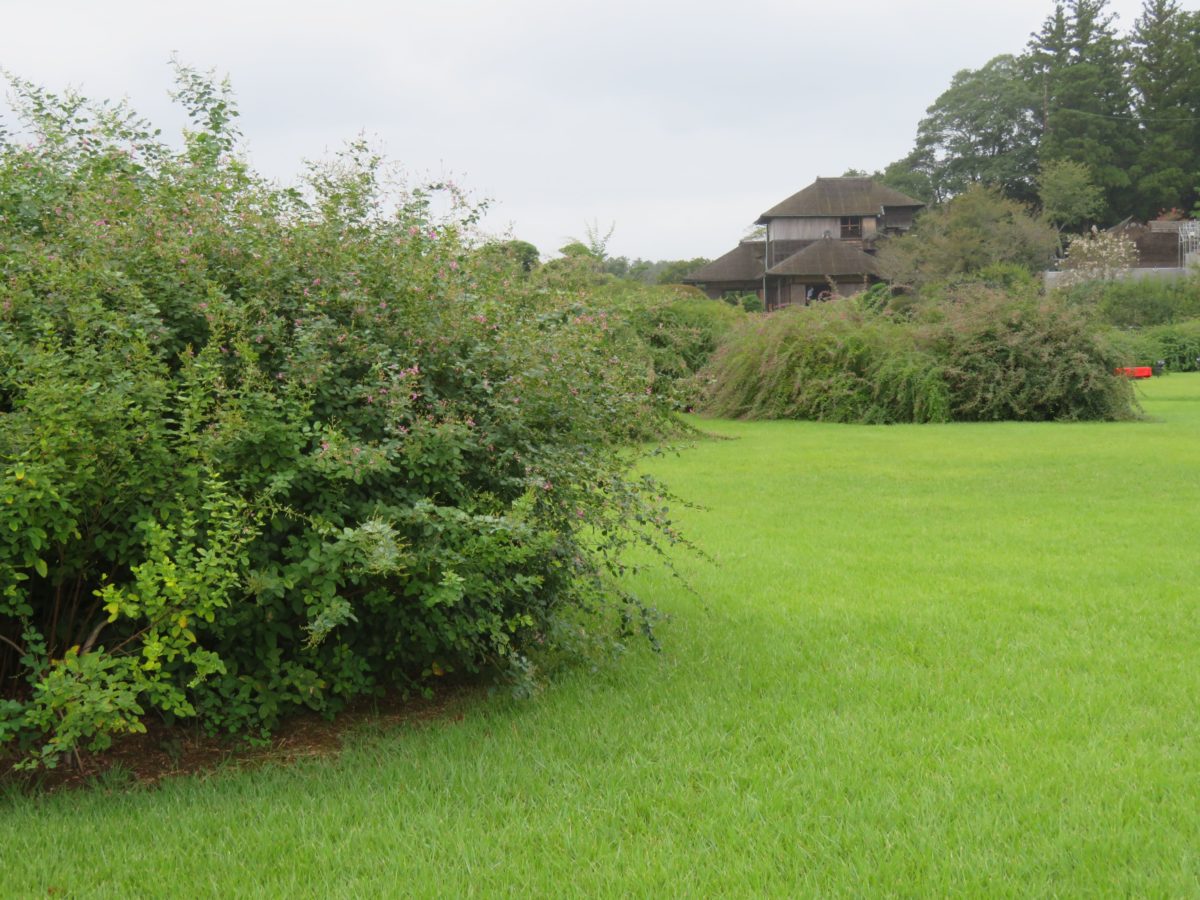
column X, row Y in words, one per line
column 1087, row 111
column 1164, row 70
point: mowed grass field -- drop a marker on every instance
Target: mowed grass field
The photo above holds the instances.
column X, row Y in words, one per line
column 929, row 660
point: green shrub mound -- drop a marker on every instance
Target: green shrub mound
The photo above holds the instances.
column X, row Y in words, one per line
column 979, row 355
column 1026, row 359
column 831, row 363
column 266, row 448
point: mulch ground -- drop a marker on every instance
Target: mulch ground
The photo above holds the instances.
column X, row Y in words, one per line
column 180, row 750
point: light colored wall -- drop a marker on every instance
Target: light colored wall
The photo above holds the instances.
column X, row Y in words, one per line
column 1050, row 280
column 803, row 229
column 811, row 229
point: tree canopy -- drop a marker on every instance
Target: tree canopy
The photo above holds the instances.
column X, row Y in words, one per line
column 1124, row 107
column 972, row 231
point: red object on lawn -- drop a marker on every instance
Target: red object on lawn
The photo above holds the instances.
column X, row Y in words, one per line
column 1136, row 371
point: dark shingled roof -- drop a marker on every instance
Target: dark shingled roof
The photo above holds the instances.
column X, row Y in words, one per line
column 828, row 258
column 743, row 263
column 839, row 197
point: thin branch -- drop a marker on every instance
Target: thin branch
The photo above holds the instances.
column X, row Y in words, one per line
column 20, row 650
column 91, row 638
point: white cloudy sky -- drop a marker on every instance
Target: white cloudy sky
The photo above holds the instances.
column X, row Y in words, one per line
column 679, row 122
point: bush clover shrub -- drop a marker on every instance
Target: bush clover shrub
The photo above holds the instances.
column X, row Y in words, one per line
column 829, row 362
column 676, row 328
column 975, row 353
column 266, row 448
column 1028, row 360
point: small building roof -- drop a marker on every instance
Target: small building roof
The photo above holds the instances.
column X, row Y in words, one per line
column 828, row 258
column 743, row 263
column 839, row 197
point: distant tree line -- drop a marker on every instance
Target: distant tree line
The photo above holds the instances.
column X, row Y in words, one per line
column 1123, row 110
column 658, row 271
column 591, row 254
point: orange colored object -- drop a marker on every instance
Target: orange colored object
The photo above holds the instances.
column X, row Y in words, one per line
column 1136, row 371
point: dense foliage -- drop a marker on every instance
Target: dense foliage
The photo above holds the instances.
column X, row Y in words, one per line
column 981, row 354
column 1152, row 322
column 1171, row 348
column 1139, row 303
column 676, row 329
column 973, row 232
column 266, row 448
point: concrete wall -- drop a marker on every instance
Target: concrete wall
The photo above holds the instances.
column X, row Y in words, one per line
column 1051, row 279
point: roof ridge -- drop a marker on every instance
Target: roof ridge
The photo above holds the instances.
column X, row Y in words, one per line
column 846, row 195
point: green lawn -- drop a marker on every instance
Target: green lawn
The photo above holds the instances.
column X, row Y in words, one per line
column 930, row 660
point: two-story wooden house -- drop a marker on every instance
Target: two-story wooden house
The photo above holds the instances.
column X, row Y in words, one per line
column 820, row 237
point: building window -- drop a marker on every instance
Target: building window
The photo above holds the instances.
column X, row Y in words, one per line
column 851, row 227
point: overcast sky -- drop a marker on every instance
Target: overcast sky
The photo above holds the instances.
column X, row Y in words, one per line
column 677, row 122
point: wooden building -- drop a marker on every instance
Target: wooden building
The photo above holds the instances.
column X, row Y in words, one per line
column 1161, row 243
column 817, row 240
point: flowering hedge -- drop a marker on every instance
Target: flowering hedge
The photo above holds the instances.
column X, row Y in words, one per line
column 265, row 448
